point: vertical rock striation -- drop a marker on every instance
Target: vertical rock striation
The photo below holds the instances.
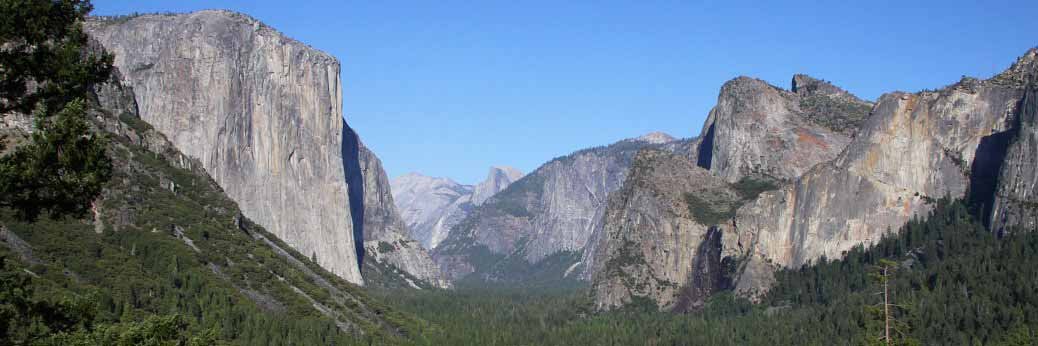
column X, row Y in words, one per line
column 1015, row 198
column 262, row 112
column 1014, row 203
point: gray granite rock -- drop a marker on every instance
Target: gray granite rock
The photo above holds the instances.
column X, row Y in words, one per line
column 759, row 130
column 262, row 112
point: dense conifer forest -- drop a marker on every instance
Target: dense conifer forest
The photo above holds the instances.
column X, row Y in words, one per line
column 955, row 283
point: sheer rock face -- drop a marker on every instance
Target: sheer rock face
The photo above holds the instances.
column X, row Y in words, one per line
column 1015, row 202
column 651, row 242
column 432, row 206
column 914, row 147
column 386, row 238
column 552, row 210
column 758, row 130
column 262, row 112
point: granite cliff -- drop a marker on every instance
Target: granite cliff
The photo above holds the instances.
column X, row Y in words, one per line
column 263, row 114
column 762, row 131
column 1013, row 199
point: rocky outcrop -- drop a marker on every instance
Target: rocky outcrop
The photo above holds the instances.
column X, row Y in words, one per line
column 432, row 206
column 552, row 211
column 386, row 238
column 657, row 240
column 758, row 130
column 912, row 149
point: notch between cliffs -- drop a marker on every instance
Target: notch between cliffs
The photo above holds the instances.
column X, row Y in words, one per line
column 706, row 149
column 354, row 187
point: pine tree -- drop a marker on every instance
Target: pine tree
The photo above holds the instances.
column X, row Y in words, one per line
column 46, row 71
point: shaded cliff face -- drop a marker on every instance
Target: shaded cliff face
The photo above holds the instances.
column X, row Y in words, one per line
column 385, row 236
column 432, row 206
column 758, row 130
column 1015, row 199
column 262, row 113
column 548, row 214
column 657, row 240
column 914, row 148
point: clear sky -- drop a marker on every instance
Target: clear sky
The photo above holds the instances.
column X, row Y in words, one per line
column 449, row 88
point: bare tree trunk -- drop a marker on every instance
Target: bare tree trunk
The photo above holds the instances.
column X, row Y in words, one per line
column 886, row 304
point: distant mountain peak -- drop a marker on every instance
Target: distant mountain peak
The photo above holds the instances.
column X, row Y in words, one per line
column 498, row 178
column 656, row 137
column 509, row 171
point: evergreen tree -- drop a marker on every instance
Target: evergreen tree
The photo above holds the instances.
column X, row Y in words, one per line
column 46, row 71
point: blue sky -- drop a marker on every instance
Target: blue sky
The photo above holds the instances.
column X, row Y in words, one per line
column 449, row 88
